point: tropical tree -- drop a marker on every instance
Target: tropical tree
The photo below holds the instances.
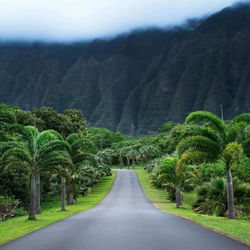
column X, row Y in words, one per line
column 106, row 156
column 71, row 121
column 130, row 153
column 147, row 153
column 82, row 153
column 209, row 143
column 103, row 138
column 33, row 152
column 61, row 166
column 173, row 178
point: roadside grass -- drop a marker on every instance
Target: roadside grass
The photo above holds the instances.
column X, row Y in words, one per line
column 19, row 226
column 237, row 229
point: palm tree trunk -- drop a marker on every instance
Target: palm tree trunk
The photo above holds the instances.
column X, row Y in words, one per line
column 178, row 197
column 38, row 194
column 70, row 194
column 63, row 194
column 128, row 162
column 121, row 163
column 32, row 210
column 230, row 195
column 133, row 161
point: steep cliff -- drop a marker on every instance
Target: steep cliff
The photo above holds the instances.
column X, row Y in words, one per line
column 140, row 80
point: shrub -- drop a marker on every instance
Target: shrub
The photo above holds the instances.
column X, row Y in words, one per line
column 212, row 197
column 7, row 207
column 19, row 212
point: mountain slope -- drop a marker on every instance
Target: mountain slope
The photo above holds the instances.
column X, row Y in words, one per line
column 140, row 80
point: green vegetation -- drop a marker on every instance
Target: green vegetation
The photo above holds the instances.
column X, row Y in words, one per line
column 16, row 227
column 239, row 229
column 45, row 154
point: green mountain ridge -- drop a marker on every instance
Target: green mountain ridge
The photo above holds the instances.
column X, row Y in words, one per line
column 138, row 81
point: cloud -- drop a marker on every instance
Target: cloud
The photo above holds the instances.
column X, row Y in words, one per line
column 72, row 20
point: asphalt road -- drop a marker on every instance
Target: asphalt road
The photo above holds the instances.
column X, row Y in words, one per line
column 124, row 220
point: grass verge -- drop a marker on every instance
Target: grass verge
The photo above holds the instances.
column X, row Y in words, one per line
column 17, row 227
column 237, row 229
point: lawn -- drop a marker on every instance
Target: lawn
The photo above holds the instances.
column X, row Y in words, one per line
column 238, row 229
column 16, row 227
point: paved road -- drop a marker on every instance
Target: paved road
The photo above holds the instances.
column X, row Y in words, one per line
column 124, row 220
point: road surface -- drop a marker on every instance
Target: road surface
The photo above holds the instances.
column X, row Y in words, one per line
column 124, row 220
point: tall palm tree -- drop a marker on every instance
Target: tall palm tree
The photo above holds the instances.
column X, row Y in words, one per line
column 209, row 141
column 34, row 152
column 174, row 178
column 61, row 165
column 80, row 151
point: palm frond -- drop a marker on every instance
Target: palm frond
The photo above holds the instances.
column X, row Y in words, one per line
column 207, row 117
column 199, row 143
column 245, row 117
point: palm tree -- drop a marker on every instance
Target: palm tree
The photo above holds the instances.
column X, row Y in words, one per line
column 173, row 178
column 105, row 156
column 208, row 143
column 147, row 153
column 34, row 152
column 80, row 151
column 61, row 165
column 125, row 153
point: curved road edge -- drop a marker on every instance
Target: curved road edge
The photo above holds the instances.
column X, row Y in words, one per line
column 58, row 220
column 190, row 219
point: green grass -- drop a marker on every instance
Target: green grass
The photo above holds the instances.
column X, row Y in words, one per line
column 238, row 229
column 16, row 227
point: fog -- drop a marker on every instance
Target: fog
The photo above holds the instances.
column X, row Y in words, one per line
column 74, row 20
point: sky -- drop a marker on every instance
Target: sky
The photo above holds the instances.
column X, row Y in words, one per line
column 74, row 20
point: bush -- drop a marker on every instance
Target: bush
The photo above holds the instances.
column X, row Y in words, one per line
column 212, row 170
column 7, row 207
column 19, row 212
column 212, row 198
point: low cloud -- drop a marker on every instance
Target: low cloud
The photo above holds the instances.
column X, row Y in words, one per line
column 72, row 20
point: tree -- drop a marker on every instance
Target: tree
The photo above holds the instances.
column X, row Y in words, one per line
column 34, row 152
column 147, row 153
column 61, row 165
column 71, row 121
column 105, row 156
column 81, row 151
column 103, row 138
column 7, row 118
column 209, row 143
column 173, row 178
column 125, row 153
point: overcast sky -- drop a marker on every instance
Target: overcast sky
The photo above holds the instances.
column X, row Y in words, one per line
column 72, row 20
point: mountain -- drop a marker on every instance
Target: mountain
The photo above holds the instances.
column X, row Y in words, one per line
column 137, row 81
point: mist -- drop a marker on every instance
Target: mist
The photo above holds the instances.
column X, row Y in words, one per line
column 75, row 20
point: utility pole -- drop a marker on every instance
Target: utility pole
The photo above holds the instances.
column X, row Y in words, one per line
column 132, row 129
column 221, row 112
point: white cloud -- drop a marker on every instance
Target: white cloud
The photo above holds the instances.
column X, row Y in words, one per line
column 71, row 20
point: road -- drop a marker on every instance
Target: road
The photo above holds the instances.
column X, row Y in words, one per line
column 124, row 220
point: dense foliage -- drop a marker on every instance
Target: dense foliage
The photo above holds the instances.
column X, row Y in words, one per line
column 44, row 153
column 210, row 155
